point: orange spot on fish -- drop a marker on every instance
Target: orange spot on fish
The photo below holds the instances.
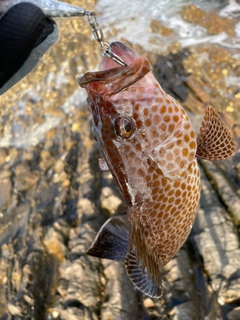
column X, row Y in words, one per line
column 185, row 152
column 167, row 118
column 175, row 118
column 183, row 186
column 186, row 138
column 163, row 109
column 169, row 156
column 148, row 122
column 171, row 127
column 139, row 123
column 187, row 126
column 163, row 127
column 138, row 147
column 137, row 107
column 145, row 112
column 159, row 100
column 192, row 145
column 170, row 166
column 156, row 119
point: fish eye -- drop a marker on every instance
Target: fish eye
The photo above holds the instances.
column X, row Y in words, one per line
column 124, row 127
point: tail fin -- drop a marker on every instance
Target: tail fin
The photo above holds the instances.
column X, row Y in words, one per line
column 112, row 240
column 140, row 277
column 214, row 141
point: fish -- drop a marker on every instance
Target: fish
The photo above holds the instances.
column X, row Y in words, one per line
column 151, row 150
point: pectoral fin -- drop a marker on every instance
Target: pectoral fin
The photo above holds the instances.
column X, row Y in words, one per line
column 140, row 278
column 214, row 141
column 112, row 240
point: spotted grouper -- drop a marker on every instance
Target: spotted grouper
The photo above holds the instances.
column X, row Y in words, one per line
column 149, row 146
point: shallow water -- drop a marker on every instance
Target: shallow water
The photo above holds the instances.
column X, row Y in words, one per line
column 132, row 20
column 38, row 103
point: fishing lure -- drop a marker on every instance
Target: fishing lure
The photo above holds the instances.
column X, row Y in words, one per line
column 149, row 146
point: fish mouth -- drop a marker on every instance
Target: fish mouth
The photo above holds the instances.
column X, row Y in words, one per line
column 113, row 78
column 123, row 51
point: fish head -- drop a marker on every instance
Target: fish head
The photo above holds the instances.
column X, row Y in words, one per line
column 114, row 85
column 114, row 96
column 131, row 123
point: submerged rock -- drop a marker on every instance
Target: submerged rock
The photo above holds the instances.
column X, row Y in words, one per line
column 211, row 21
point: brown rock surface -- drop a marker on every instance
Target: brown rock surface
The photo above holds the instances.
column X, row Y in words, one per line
column 211, row 21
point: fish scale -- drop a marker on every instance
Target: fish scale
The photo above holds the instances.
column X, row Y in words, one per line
column 149, row 146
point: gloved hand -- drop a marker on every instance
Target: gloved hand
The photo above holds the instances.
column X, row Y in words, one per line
column 26, row 33
column 23, row 28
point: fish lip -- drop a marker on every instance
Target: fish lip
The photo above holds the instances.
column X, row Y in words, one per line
column 123, row 51
column 112, row 78
column 103, row 75
column 109, row 75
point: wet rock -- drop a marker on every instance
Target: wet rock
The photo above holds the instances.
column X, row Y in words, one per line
column 62, row 228
column 210, row 68
column 234, row 314
column 44, row 275
column 3, row 157
column 86, row 210
column 82, row 283
column 54, row 244
column 170, row 73
column 5, row 189
column 148, row 303
column 199, row 92
column 193, row 104
column 157, row 27
column 75, row 313
column 211, row 21
column 226, row 191
column 3, row 286
column 183, row 311
column 217, row 242
column 62, row 178
column 14, row 223
column 81, row 238
column 109, row 201
column 47, row 160
column 25, row 179
column 59, row 166
column 180, row 288
column 119, row 299
column 218, row 261
column 232, row 295
column 14, row 310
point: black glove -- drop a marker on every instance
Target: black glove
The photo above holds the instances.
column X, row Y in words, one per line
column 24, row 28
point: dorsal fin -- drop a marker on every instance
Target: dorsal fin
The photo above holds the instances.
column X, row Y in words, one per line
column 141, row 278
column 214, row 141
column 111, row 242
